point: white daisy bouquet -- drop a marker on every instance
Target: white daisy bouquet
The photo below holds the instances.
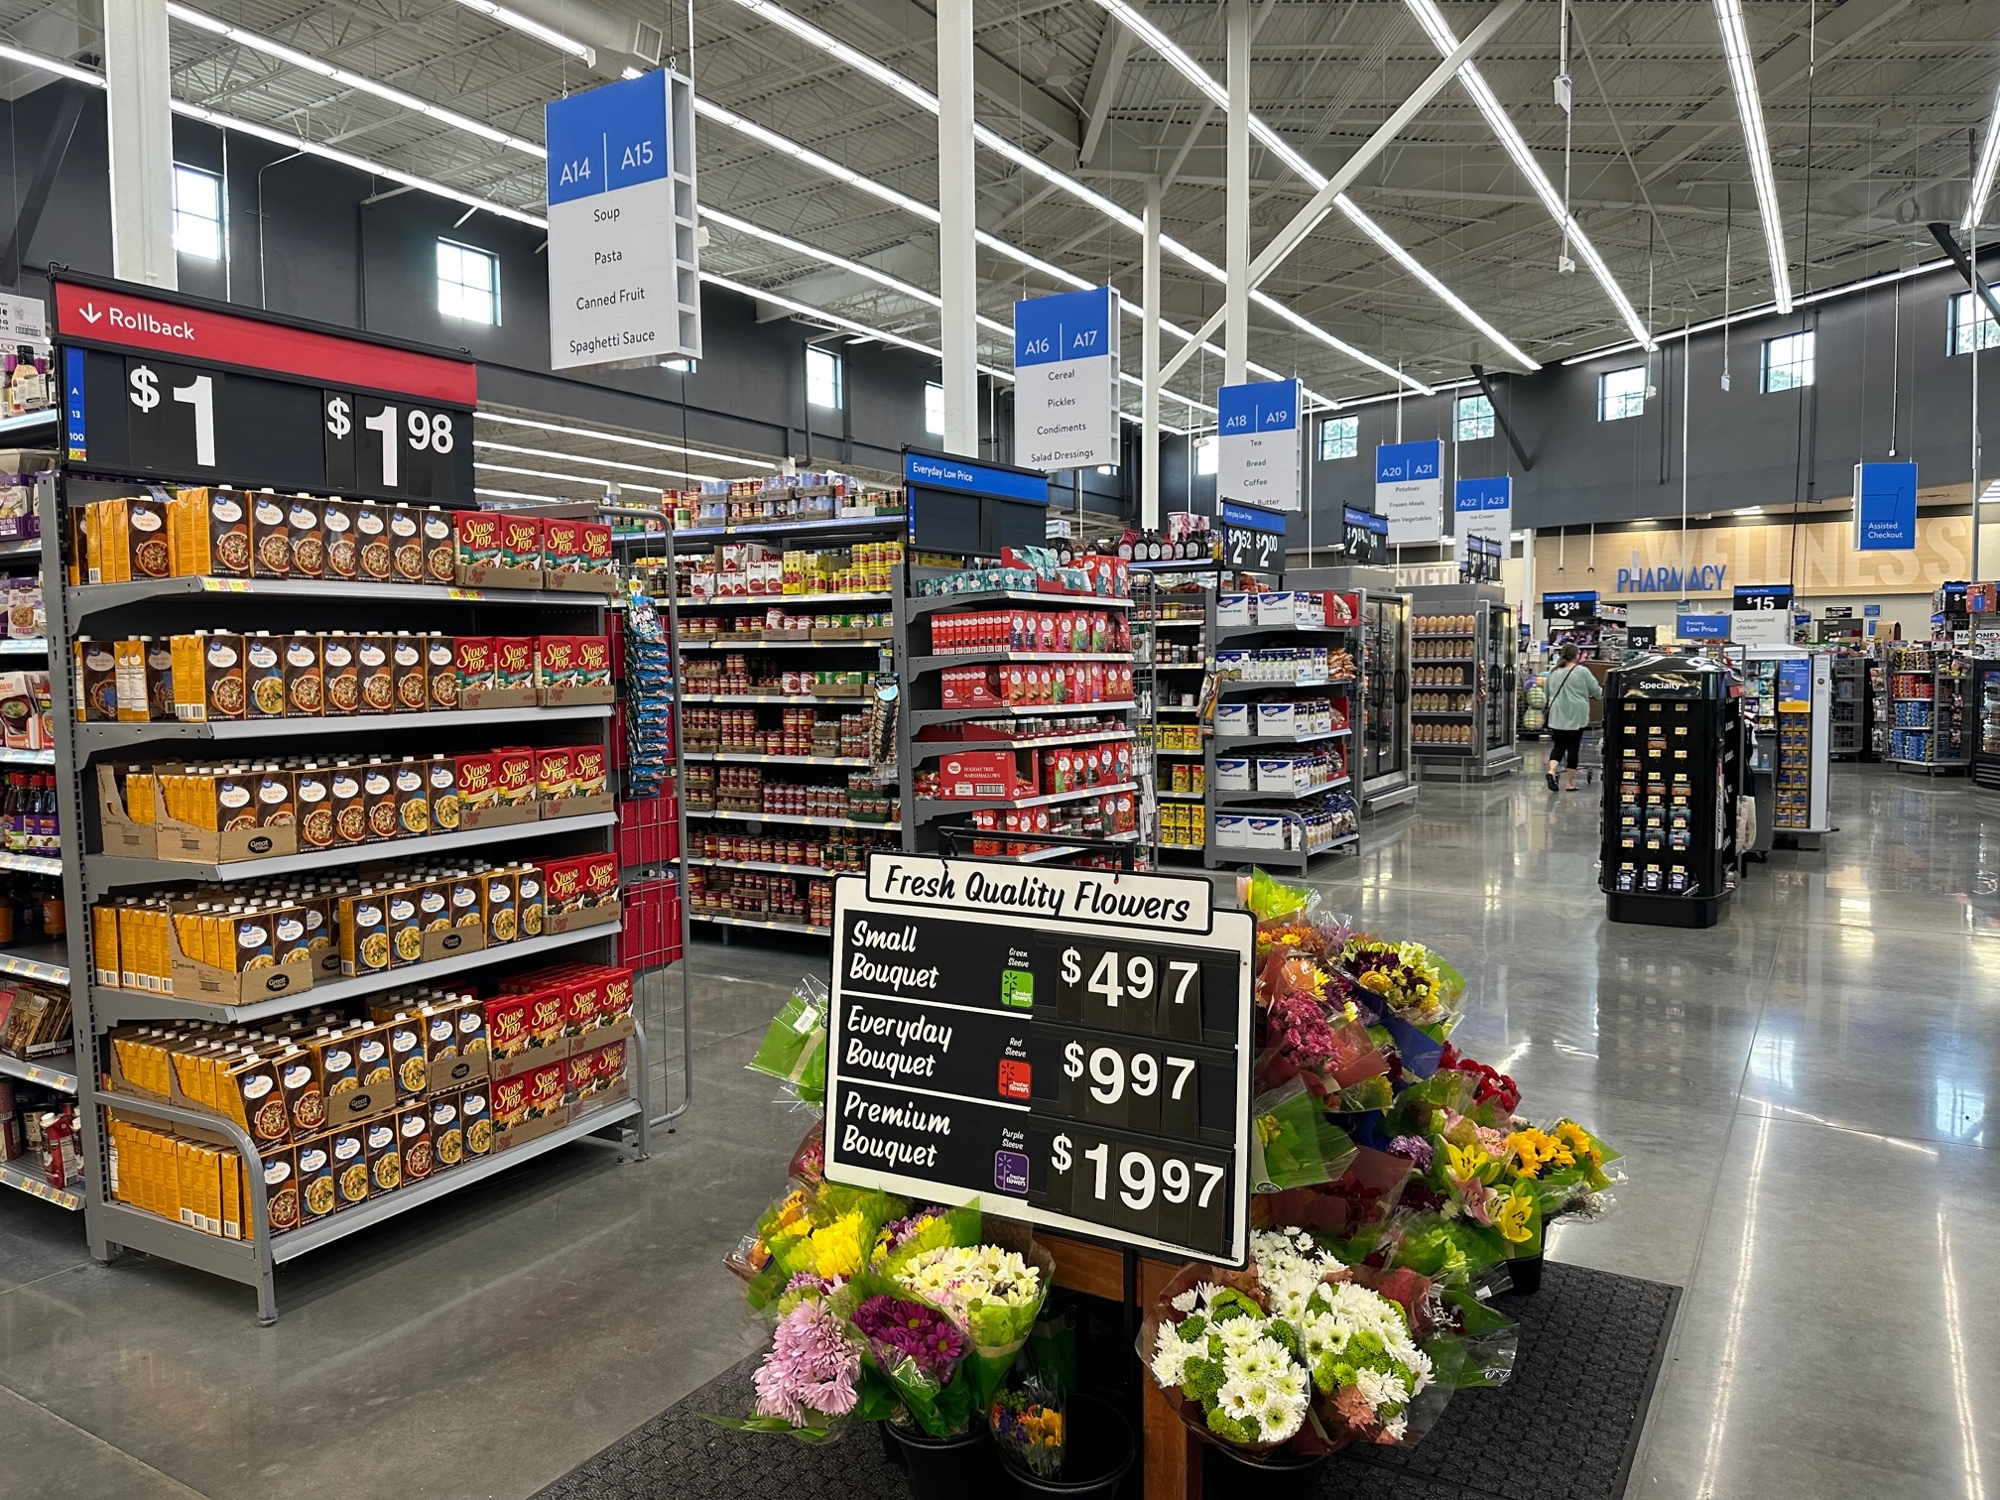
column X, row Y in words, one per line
column 992, row 1293
column 1231, row 1364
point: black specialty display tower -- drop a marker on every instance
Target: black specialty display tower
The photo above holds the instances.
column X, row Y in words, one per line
column 1673, row 751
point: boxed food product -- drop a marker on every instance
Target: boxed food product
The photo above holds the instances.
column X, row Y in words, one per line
column 270, row 537
column 340, row 674
column 374, row 562
column 342, row 554
column 406, row 545
column 440, row 550
column 306, row 529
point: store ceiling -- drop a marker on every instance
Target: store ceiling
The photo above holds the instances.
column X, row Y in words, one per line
column 1874, row 139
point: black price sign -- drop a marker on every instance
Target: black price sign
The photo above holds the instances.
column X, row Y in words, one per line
column 1077, row 1040
column 1763, row 596
column 1252, row 538
column 1569, row 607
column 178, row 390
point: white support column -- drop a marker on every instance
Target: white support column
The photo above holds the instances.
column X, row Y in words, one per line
column 1236, row 200
column 1149, row 410
column 139, row 98
column 958, row 266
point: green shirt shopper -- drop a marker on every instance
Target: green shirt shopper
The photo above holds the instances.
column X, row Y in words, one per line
column 1569, row 687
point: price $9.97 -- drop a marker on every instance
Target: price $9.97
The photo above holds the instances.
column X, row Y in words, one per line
column 1139, row 1189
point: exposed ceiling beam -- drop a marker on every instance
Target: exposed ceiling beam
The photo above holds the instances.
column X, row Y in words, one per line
column 990, row 76
column 1106, row 72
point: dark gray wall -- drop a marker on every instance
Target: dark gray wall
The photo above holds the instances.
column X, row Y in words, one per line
column 303, row 241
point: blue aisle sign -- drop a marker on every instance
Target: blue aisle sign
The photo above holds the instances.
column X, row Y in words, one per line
column 1409, row 490
column 624, row 283
column 1257, row 429
column 1066, row 379
column 1871, row 611
column 1483, row 508
column 1885, row 507
column 76, row 437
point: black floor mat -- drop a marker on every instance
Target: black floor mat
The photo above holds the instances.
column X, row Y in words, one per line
column 1566, row 1427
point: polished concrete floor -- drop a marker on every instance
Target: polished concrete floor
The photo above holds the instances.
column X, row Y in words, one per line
column 1802, row 1094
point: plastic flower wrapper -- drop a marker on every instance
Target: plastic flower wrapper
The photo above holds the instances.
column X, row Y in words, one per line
column 1571, row 1169
column 1356, row 1343
column 1471, row 1345
column 925, row 1229
column 1359, row 1199
column 1295, row 1145
column 794, row 1047
column 1269, row 899
column 917, row 1351
column 1324, row 1043
column 1410, row 980
column 1028, row 1421
column 1225, row 1366
column 826, row 1231
column 810, row 1385
column 993, row 1294
column 1495, row 1096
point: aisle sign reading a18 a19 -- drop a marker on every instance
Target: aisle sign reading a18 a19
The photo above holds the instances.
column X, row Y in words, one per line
column 1257, row 432
column 158, row 387
column 1068, row 1047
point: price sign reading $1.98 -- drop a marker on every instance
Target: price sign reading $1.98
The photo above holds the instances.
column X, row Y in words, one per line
column 1135, row 990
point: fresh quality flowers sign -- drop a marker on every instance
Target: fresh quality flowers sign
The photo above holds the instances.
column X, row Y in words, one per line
column 1077, row 1041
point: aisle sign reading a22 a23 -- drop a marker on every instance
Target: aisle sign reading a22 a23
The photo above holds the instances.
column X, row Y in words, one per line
column 178, row 389
column 1066, row 1047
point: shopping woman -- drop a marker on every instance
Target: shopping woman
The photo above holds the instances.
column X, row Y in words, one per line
column 1570, row 688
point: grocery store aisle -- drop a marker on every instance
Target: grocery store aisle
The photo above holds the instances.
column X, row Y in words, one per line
column 1801, row 1092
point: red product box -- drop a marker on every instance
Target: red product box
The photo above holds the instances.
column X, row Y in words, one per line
column 562, row 885
column 980, row 774
column 545, row 1089
column 555, row 773
column 588, row 769
column 478, row 536
column 513, row 661
column 520, row 540
column 610, row 1064
column 593, row 659
column 614, row 1000
column 545, row 1013
column 474, row 777
column 600, row 878
column 972, row 687
column 579, row 1077
column 475, row 660
column 580, row 1003
column 562, row 545
column 507, row 1099
column 507, row 1025
column 514, row 774
column 593, row 540
column 555, row 660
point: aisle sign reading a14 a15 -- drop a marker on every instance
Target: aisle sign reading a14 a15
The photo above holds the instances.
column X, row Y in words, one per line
column 1066, row 380
column 624, row 284
column 1409, row 490
column 1066, row 1047
column 1885, row 507
column 1257, row 428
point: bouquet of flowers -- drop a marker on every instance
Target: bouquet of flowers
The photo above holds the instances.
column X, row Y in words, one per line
column 1027, row 1421
column 1569, row 1168
column 994, row 1295
column 926, row 1229
column 1406, row 979
column 818, row 1230
column 1226, row 1363
column 915, row 1350
column 1294, row 1144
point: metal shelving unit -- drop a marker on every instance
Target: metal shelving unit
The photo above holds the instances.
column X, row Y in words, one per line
column 1285, row 805
column 1463, row 683
column 160, row 607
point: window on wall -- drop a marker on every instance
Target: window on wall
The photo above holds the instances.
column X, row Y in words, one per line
column 934, row 409
column 1972, row 326
column 468, row 283
column 1339, row 437
column 197, row 213
column 1621, row 394
column 1206, row 455
column 1788, row 362
column 1475, row 418
column 824, row 381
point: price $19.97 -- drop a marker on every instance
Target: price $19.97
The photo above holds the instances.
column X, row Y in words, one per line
column 1141, row 1182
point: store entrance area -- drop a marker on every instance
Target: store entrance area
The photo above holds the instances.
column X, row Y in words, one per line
column 1801, row 1094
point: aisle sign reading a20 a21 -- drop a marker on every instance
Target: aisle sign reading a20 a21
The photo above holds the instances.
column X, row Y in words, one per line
column 174, row 388
column 1257, row 430
column 1066, row 1047
column 624, row 283
column 1066, row 379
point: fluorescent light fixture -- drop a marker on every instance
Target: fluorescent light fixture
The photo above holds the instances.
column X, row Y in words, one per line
column 1748, row 510
column 1107, row 468
column 533, row 28
column 307, row 63
column 619, row 437
column 1756, row 145
column 609, row 463
column 1989, row 163
column 282, row 138
column 1028, row 162
column 1217, row 94
column 1446, row 41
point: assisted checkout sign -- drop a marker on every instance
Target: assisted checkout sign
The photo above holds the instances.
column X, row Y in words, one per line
column 1068, row 1047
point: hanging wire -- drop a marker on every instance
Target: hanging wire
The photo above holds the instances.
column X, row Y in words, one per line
column 1565, row 265
column 1728, row 255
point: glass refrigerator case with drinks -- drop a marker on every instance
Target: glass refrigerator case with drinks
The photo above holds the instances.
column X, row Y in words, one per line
column 1985, row 704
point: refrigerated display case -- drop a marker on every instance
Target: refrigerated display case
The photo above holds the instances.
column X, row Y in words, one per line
column 1986, row 705
column 1794, row 697
column 1387, row 774
column 1462, row 683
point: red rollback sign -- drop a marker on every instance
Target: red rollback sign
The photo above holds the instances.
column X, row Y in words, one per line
column 126, row 320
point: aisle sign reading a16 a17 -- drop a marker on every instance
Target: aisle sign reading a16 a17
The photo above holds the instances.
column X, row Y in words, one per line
column 176, row 390
column 1068, row 1047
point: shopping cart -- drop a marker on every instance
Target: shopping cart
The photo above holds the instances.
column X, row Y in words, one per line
column 1590, row 753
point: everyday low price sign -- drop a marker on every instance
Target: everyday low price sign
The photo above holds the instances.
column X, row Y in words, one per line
column 1068, row 1047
